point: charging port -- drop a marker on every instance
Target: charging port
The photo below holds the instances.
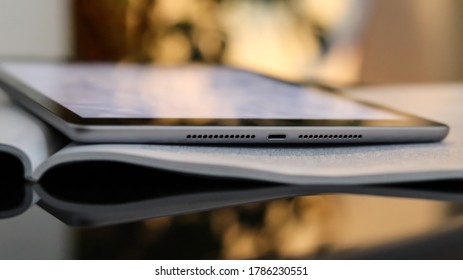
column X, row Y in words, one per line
column 276, row 137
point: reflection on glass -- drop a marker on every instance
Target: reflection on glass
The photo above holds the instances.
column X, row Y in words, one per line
column 302, row 227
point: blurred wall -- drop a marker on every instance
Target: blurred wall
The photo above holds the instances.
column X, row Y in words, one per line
column 35, row 29
column 401, row 42
column 413, row 41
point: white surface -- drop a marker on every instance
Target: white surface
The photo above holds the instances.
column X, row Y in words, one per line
column 35, row 29
column 314, row 165
column 23, row 135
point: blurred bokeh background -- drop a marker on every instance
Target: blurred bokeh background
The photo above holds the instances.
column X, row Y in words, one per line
column 338, row 42
column 344, row 42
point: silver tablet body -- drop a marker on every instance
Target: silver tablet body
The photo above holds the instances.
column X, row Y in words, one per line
column 200, row 104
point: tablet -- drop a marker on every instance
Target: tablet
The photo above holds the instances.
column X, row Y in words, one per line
column 200, row 104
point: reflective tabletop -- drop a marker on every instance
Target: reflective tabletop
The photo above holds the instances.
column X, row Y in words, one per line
column 325, row 226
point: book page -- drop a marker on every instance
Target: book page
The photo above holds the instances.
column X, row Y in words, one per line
column 26, row 137
column 340, row 165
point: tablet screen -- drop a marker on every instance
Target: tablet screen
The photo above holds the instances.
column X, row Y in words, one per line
column 195, row 91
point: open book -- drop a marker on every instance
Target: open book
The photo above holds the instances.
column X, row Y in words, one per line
column 104, row 184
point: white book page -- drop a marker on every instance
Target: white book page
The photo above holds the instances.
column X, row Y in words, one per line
column 26, row 137
column 311, row 165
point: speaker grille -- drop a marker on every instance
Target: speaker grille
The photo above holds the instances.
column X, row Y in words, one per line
column 330, row 136
column 220, row 136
